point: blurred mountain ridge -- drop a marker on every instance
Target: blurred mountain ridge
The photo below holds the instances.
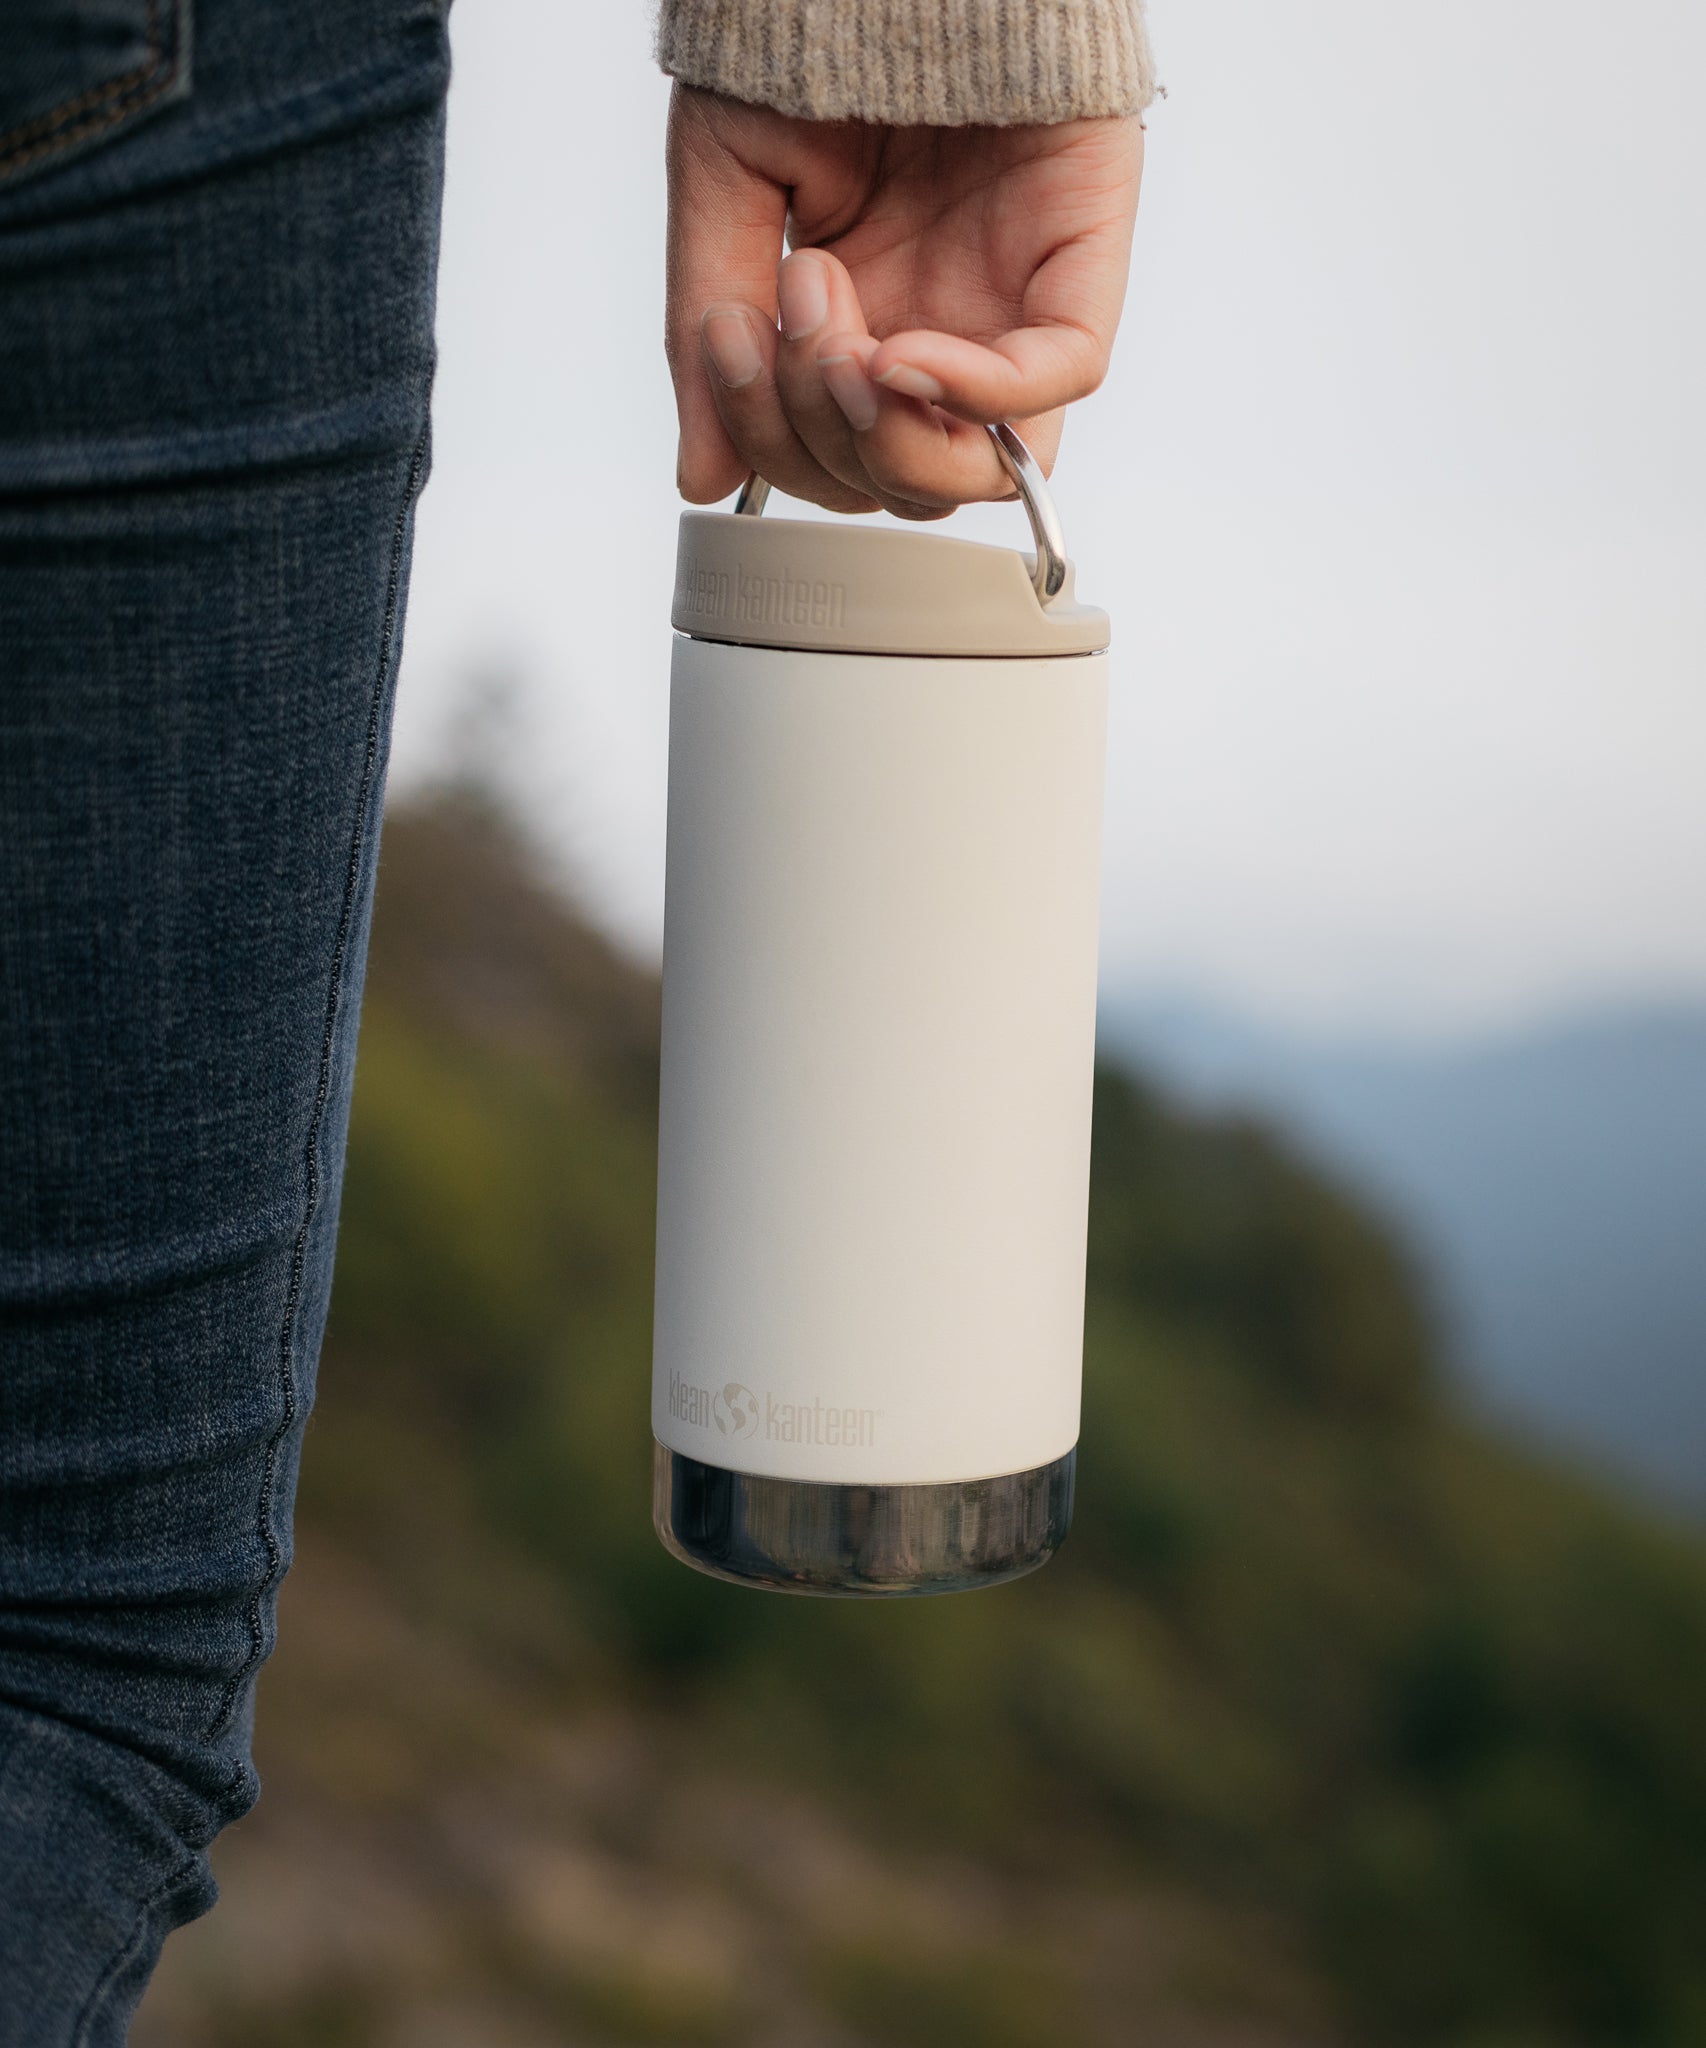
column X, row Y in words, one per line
column 1552, row 1182
column 1335, row 1721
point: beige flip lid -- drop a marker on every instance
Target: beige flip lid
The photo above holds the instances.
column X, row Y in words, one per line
column 849, row 589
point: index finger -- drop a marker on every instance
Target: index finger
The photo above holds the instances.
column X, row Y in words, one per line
column 726, row 224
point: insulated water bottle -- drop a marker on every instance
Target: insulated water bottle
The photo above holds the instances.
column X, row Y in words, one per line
column 885, row 792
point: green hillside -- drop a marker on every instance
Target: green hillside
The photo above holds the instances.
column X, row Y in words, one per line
column 1334, row 1721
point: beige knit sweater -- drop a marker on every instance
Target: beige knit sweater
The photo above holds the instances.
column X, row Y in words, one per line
column 944, row 63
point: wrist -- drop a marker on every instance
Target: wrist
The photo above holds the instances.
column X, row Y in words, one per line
column 910, row 63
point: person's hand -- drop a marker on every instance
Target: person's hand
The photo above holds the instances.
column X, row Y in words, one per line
column 940, row 278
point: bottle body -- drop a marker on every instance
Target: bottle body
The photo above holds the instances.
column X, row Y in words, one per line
column 878, row 1038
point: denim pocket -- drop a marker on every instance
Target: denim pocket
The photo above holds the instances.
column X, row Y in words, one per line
column 77, row 73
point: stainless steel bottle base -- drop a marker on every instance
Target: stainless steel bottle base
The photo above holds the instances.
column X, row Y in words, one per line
column 859, row 1542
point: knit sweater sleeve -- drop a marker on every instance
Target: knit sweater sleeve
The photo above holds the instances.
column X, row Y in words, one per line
column 940, row 63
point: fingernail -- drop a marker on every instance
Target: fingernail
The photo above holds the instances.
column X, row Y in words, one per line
column 915, row 383
column 732, row 347
column 803, row 293
column 851, row 390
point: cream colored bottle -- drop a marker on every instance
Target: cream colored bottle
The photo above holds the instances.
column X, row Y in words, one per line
column 885, row 788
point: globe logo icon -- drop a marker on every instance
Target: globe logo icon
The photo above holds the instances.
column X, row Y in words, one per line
column 735, row 1410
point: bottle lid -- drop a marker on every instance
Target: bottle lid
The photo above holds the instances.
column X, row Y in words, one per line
column 833, row 586
column 873, row 590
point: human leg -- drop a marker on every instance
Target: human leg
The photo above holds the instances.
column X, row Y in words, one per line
column 215, row 354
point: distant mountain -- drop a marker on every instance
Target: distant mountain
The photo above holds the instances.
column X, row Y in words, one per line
column 1554, row 1186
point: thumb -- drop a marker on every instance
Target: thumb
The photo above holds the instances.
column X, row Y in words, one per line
column 726, row 224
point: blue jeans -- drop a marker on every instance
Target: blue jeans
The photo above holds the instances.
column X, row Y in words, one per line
column 216, row 285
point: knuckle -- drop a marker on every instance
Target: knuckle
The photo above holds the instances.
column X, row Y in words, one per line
column 910, row 480
column 832, row 494
column 1085, row 364
column 779, row 458
column 834, row 489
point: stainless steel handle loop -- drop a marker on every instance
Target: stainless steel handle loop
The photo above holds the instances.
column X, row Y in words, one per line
column 754, row 495
column 1049, row 575
column 1048, row 578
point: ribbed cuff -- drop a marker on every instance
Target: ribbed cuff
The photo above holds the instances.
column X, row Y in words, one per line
column 935, row 63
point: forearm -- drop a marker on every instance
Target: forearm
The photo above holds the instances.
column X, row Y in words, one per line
column 938, row 63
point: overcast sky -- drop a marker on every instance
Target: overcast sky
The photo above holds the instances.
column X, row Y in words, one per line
column 1397, row 496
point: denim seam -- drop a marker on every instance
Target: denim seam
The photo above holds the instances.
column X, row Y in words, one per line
column 128, row 93
column 311, row 1157
column 24, row 131
column 132, row 1944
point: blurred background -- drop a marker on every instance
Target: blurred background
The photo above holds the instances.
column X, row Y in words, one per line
column 1366, row 1702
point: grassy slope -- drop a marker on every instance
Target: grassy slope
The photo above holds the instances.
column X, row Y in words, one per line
column 1333, row 1720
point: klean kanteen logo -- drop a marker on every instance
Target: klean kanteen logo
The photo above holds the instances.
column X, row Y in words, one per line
column 748, row 600
column 737, row 1412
